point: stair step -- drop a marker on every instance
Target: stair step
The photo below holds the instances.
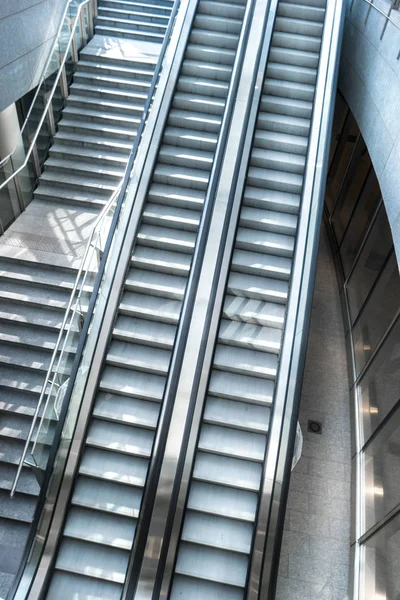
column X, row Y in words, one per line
column 296, row 73
column 273, row 159
column 88, row 525
column 130, row 411
column 289, row 89
column 165, row 261
column 258, row 288
column 248, row 310
column 292, row 56
column 245, row 335
column 237, row 415
column 287, row 106
column 244, row 361
column 271, row 179
column 232, row 386
column 256, row 263
column 296, row 41
column 132, row 34
column 107, row 496
column 299, row 26
column 284, row 124
column 154, row 308
column 223, row 501
column 162, row 285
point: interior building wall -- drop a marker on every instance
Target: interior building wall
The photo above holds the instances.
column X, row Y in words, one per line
column 27, row 31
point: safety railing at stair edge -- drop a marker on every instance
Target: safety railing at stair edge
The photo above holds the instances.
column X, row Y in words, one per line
column 56, row 389
column 23, row 164
column 394, row 5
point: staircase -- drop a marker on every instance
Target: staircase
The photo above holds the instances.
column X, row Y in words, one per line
column 216, row 539
column 85, row 164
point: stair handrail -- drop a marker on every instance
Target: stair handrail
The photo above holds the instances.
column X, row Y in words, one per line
column 72, row 308
column 51, row 94
column 117, row 199
column 388, row 18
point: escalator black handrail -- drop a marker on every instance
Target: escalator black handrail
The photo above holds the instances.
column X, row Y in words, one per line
column 88, row 317
column 148, row 500
column 282, row 430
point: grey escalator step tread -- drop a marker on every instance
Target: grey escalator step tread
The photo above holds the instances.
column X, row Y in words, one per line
column 268, row 220
column 132, row 73
column 221, row 9
column 135, row 15
column 176, row 196
column 123, row 32
column 163, row 215
column 173, row 155
column 206, row 70
column 244, row 388
column 146, row 386
column 219, row 532
column 257, row 312
column 223, row 501
column 107, row 496
column 21, row 335
column 246, row 335
column 113, row 531
column 278, row 200
column 235, row 414
column 299, row 26
column 203, row 86
column 20, row 508
column 289, row 89
column 27, row 483
column 284, row 124
column 209, row 54
column 138, row 357
column 232, row 443
column 84, row 198
column 297, row 41
column 165, row 261
column 191, row 118
column 291, row 56
column 154, row 308
column 130, row 411
column 166, row 238
column 200, row 106
column 120, row 438
column 117, row 131
column 198, row 589
column 142, row 331
column 258, row 288
column 275, row 159
column 272, row 179
column 101, row 171
column 69, row 583
column 16, row 378
column 302, row 10
column 107, row 92
column 221, row 24
column 95, row 560
column 181, row 176
column 208, row 37
column 212, row 564
column 257, row 263
column 192, row 138
column 85, row 140
column 265, row 241
column 227, row 471
column 245, row 361
column 287, row 106
column 134, row 25
column 90, row 155
column 298, row 74
column 109, row 466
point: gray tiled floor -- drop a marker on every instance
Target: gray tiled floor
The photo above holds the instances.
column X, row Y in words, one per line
column 315, row 552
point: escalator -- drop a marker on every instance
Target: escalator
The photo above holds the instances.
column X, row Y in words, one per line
column 218, row 529
column 105, row 505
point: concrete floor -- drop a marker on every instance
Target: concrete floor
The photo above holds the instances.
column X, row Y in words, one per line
column 315, row 553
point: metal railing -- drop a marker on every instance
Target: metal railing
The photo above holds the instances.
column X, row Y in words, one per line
column 76, row 28
column 394, row 5
column 56, row 390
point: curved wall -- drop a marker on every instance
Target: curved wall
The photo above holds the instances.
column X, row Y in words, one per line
column 27, row 30
column 369, row 80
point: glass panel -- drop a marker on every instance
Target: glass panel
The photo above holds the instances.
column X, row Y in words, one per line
column 341, row 160
column 381, row 558
column 341, row 111
column 362, row 216
column 382, row 472
column 378, row 313
column 356, row 175
column 369, row 263
column 379, row 389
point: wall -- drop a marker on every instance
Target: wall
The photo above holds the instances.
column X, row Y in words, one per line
column 369, row 79
column 27, row 30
